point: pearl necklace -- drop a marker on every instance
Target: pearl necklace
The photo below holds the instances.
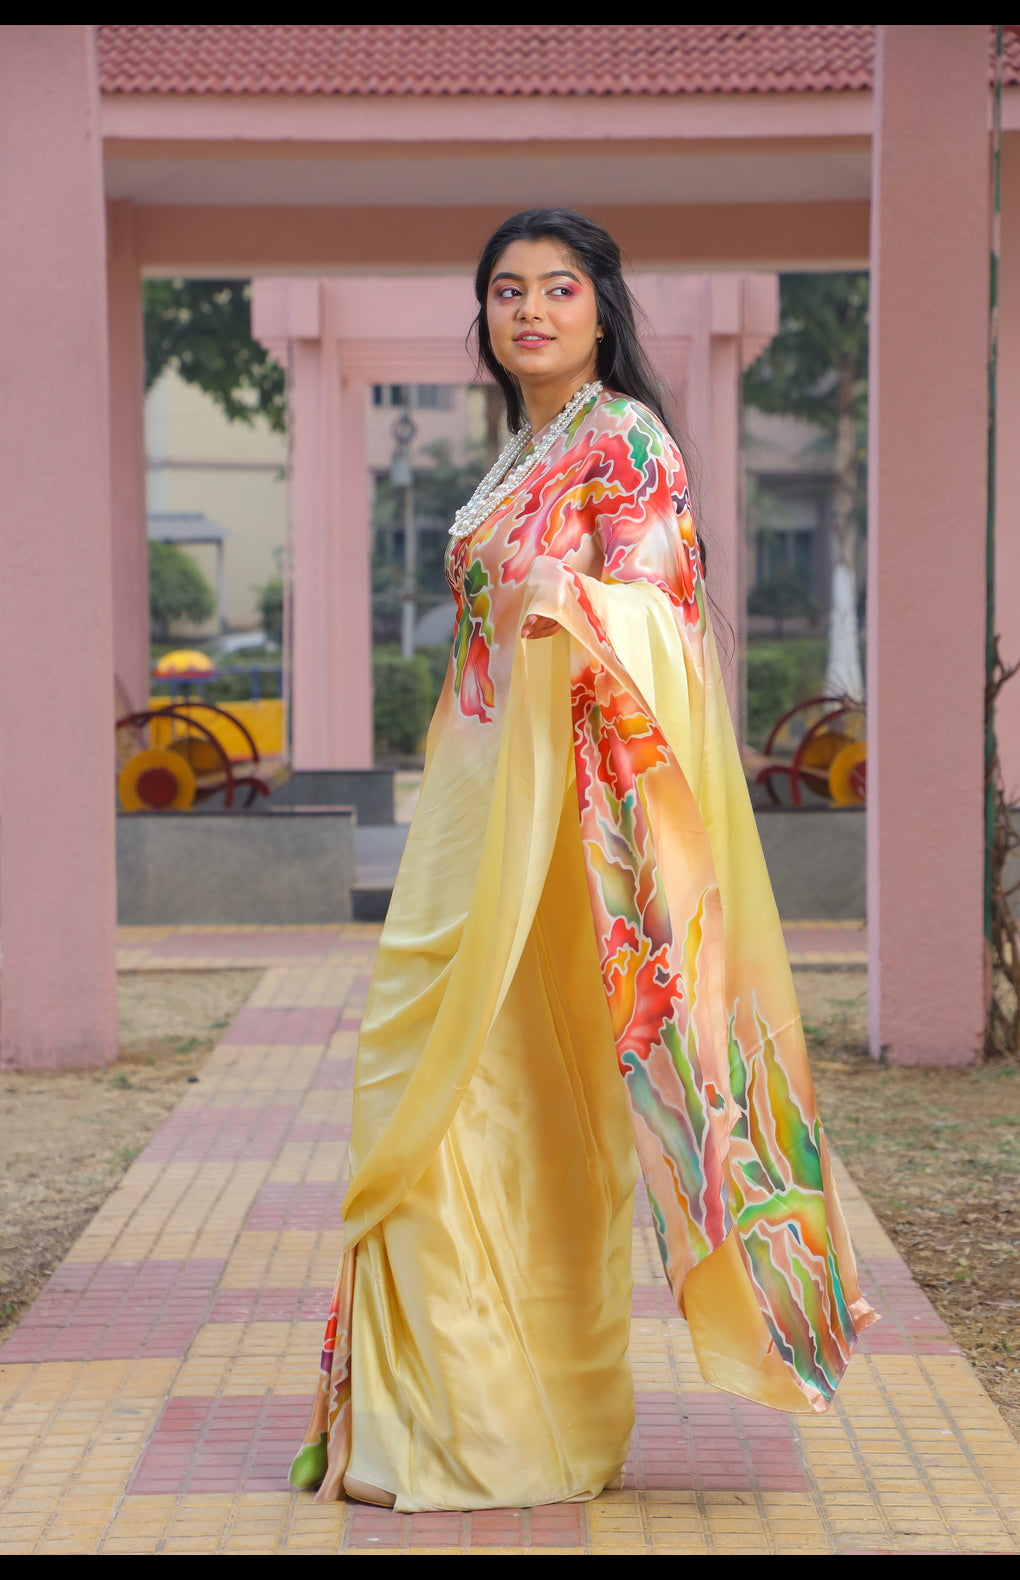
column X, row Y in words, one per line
column 505, row 477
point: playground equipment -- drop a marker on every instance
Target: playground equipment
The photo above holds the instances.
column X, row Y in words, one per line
column 817, row 747
column 169, row 759
column 185, row 663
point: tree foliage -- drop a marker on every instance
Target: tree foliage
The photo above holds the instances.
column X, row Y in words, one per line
column 401, row 702
column 820, row 352
column 781, row 597
column 778, row 675
column 440, row 487
column 269, row 602
column 202, row 329
column 816, row 369
column 177, row 588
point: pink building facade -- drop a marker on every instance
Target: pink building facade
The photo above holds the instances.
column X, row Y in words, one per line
column 299, row 152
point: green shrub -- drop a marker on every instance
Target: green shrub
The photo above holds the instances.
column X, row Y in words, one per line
column 238, row 687
column 438, row 660
column 778, row 675
column 401, row 701
column 269, row 602
column 177, row 588
column 770, row 682
column 781, row 598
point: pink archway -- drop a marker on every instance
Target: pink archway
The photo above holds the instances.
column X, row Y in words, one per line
column 257, row 175
column 338, row 336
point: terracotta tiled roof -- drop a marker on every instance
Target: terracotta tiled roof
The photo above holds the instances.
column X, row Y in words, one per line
column 484, row 60
column 705, row 58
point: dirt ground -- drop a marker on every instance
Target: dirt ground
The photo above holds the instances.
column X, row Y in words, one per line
column 936, row 1152
column 67, row 1136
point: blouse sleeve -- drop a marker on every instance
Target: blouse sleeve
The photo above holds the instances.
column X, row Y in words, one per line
column 644, row 523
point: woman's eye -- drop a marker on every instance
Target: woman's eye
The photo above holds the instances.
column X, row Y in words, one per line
column 504, row 292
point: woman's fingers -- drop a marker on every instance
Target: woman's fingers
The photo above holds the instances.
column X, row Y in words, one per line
column 539, row 625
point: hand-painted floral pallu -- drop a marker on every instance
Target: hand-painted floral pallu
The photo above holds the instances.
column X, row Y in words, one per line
column 582, row 898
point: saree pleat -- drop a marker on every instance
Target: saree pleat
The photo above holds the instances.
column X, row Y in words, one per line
column 492, row 1306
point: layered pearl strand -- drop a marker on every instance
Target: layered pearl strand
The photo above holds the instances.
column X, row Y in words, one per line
column 506, row 477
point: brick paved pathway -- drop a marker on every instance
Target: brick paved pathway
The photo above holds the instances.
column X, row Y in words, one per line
column 152, row 1397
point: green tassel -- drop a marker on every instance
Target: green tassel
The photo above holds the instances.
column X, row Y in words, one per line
column 308, row 1470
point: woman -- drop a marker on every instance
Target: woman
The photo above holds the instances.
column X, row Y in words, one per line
column 582, row 896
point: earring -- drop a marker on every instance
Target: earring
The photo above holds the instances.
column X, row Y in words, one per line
column 600, row 337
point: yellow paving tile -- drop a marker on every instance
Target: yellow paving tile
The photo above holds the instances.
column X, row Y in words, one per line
column 208, row 1525
column 912, row 1457
column 304, row 987
column 130, row 1546
column 344, row 1044
column 148, row 1520
column 284, row 1259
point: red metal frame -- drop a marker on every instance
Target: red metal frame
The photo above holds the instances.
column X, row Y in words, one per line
column 231, row 781
column 796, row 770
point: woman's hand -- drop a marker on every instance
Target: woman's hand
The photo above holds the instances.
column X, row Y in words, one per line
column 588, row 559
column 539, row 625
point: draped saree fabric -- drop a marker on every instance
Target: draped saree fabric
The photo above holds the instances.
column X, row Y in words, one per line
column 582, row 963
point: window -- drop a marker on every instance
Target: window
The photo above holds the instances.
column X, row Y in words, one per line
column 424, row 397
column 788, row 523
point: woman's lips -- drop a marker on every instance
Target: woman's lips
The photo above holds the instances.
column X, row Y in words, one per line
column 533, row 340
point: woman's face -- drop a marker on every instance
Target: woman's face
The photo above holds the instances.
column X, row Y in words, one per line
column 542, row 317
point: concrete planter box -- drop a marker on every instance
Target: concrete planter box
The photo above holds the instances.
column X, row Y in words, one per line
column 278, row 865
column 267, row 867
column 368, row 790
column 816, row 860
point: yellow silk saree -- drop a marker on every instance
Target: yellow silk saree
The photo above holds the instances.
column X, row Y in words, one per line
column 582, row 973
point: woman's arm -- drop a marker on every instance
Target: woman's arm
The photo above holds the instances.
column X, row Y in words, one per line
column 589, row 560
column 644, row 530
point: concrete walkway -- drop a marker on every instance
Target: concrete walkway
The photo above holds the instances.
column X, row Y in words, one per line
column 152, row 1397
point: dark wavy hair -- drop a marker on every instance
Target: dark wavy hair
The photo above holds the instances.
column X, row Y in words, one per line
column 621, row 363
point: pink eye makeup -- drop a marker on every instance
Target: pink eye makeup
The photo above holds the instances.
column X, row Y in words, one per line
column 558, row 287
column 561, row 293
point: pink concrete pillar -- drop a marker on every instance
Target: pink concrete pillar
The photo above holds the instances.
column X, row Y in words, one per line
column 331, row 725
column 927, row 465
column 127, row 458
column 57, row 900
column 759, row 323
column 353, row 744
column 692, row 322
column 1007, row 482
column 697, row 433
column 727, row 576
